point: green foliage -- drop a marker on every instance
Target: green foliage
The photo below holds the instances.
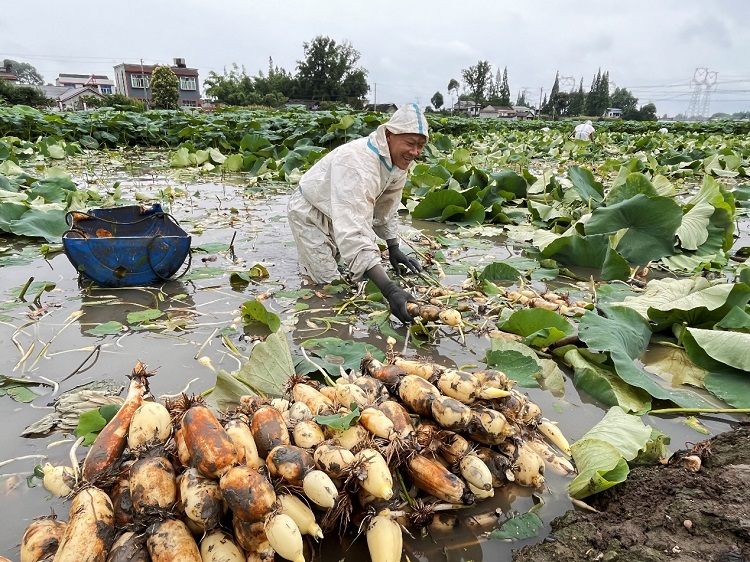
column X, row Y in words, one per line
column 602, row 454
column 26, row 72
column 597, row 99
column 115, row 101
column 235, row 87
column 477, row 79
column 625, row 100
column 329, row 72
column 164, row 88
column 22, row 95
column 437, row 100
column 92, row 422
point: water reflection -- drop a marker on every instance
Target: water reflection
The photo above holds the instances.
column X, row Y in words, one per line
column 100, row 305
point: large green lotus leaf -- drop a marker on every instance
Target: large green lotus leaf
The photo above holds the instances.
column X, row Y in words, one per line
column 587, row 251
column 451, row 211
column 510, row 182
column 226, row 392
column 254, row 311
column 632, row 165
column 626, row 433
column 518, row 367
column 427, row 180
column 474, row 214
column 552, row 377
column 661, row 291
column 720, row 233
column 180, row 158
column 693, row 230
column 712, row 253
column 10, row 212
column 603, row 384
column 713, row 192
column 52, row 190
column 233, row 163
column 546, row 213
column 605, row 468
column 663, row 186
column 269, row 366
column 689, row 263
column 635, row 183
column 625, row 335
column 673, row 365
column 700, row 308
column 335, row 353
column 736, row 319
column 517, row 360
column 37, row 223
column 716, row 349
column 731, row 386
column 585, row 184
column 500, row 271
column 601, row 455
column 434, row 203
column 541, row 327
column 651, row 223
column 519, row 527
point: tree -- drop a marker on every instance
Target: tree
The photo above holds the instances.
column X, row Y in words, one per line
column 164, row 88
column 117, row 101
column 278, row 82
column 453, row 86
column 577, row 101
column 504, row 91
column 22, row 95
column 626, row 101
column 647, row 112
column 560, row 104
column 477, row 78
column 598, row 97
column 437, row 100
column 329, row 73
column 25, row 72
column 521, row 99
column 549, row 106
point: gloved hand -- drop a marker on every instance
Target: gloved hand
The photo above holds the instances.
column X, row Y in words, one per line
column 397, row 258
column 396, row 296
column 397, row 299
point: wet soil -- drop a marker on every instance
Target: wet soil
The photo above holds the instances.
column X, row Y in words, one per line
column 663, row 513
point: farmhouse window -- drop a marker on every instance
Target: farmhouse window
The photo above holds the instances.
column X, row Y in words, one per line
column 187, row 83
column 139, row 81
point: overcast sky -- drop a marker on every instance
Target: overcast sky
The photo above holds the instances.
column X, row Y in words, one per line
column 410, row 49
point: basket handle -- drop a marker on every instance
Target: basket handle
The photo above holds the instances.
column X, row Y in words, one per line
column 151, row 265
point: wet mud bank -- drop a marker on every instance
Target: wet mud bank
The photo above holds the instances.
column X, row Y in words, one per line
column 664, row 513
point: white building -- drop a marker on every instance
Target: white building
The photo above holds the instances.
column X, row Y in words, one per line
column 99, row 82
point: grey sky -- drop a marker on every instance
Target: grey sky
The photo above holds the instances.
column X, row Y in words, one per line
column 410, row 49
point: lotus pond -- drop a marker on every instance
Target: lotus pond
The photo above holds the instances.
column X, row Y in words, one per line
column 607, row 278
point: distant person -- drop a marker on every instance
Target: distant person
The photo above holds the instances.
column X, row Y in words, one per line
column 350, row 197
column 584, row 131
column 663, row 130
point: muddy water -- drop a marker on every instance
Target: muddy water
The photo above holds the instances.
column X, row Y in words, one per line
column 50, row 340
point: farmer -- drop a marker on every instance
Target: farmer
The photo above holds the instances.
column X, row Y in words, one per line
column 584, row 131
column 351, row 196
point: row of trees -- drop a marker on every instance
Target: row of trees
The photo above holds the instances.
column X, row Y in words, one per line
column 596, row 101
column 327, row 73
column 480, row 88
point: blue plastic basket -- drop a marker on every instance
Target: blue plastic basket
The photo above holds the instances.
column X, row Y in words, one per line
column 126, row 246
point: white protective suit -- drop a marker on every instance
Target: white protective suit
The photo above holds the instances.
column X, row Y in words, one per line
column 583, row 131
column 349, row 197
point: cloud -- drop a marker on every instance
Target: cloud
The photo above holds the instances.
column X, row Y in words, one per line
column 709, row 31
